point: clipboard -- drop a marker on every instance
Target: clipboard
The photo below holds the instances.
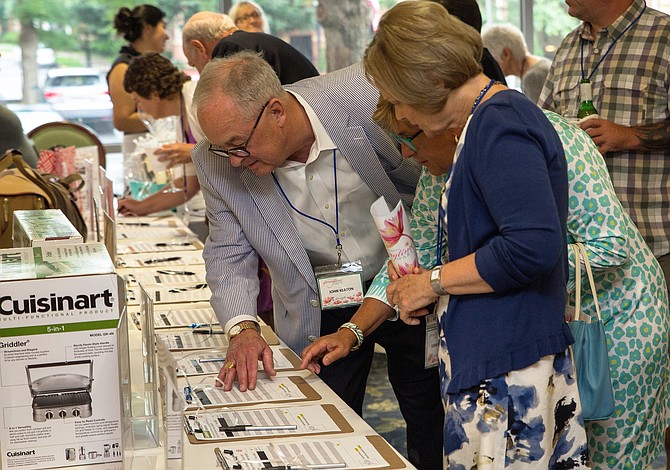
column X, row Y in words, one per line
column 330, row 409
column 306, row 389
column 186, row 360
column 385, row 451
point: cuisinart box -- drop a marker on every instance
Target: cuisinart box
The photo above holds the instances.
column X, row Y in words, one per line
column 60, row 324
column 42, row 227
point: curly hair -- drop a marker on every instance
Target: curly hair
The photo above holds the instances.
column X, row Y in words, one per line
column 129, row 23
column 150, row 74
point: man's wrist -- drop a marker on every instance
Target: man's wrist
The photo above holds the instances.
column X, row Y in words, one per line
column 243, row 326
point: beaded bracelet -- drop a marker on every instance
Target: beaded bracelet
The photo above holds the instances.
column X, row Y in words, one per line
column 357, row 331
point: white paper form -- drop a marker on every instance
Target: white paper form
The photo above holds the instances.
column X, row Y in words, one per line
column 278, row 389
column 187, row 340
column 171, row 294
column 219, row 425
column 177, row 275
column 159, row 260
column 132, row 232
column 160, row 245
column 170, row 220
column 184, row 316
column 201, row 362
column 346, row 452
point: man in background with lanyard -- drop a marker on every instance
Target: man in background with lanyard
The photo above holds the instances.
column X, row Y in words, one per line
column 621, row 52
column 290, row 174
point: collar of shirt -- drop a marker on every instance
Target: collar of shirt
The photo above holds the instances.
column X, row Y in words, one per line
column 618, row 26
column 322, row 141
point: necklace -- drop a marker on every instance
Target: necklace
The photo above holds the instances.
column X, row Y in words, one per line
column 482, row 94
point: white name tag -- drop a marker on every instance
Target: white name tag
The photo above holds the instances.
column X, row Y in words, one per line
column 340, row 286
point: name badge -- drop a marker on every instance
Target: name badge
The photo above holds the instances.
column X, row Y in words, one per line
column 431, row 358
column 340, row 286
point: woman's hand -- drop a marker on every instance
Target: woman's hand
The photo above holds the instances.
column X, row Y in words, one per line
column 328, row 349
column 175, row 154
column 131, row 206
column 411, row 293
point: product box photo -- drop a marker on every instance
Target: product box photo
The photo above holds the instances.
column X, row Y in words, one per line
column 61, row 311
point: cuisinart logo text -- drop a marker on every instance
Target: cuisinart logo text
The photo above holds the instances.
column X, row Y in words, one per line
column 20, row 453
column 54, row 303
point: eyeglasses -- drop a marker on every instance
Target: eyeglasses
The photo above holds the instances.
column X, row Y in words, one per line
column 241, row 150
column 407, row 141
column 254, row 14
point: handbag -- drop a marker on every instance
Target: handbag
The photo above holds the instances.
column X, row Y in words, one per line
column 590, row 350
column 24, row 188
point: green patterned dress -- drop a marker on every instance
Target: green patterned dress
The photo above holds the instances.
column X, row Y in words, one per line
column 631, row 293
column 633, row 300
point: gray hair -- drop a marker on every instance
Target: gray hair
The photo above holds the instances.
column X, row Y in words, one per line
column 207, row 26
column 244, row 77
column 498, row 36
column 233, row 13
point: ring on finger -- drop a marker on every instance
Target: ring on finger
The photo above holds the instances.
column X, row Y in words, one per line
column 230, row 365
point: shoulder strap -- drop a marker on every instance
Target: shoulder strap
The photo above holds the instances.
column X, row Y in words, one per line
column 7, row 159
column 589, row 273
column 33, row 177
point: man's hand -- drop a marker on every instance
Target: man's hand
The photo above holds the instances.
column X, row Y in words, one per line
column 610, row 137
column 329, row 349
column 244, row 352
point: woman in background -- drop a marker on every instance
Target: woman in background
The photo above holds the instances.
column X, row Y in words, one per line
column 144, row 29
column 160, row 89
column 249, row 16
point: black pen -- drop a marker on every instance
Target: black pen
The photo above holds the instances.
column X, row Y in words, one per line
column 251, row 427
column 173, row 244
column 208, row 331
column 307, row 467
column 171, row 272
column 176, row 290
column 137, row 224
column 162, row 260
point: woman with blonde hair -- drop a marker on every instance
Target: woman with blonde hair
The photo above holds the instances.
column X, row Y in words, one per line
column 249, row 16
column 507, row 377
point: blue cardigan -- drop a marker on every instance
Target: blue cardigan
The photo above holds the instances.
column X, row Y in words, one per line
column 508, row 204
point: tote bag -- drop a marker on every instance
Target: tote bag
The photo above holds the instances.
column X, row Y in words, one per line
column 590, row 350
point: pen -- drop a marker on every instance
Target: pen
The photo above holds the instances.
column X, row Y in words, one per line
column 221, row 459
column 172, row 272
column 173, row 244
column 137, row 224
column 176, row 290
column 308, row 467
column 212, row 359
column 251, row 427
column 162, row 260
column 208, row 331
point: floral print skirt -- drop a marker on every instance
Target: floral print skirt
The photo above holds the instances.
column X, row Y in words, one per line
column 529, row 418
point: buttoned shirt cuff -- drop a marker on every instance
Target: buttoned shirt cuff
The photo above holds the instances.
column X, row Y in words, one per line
column 235, row 320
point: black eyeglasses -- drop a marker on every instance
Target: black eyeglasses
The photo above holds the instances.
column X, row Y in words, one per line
column 254, row 14
column 407, row 141
column 241, row 150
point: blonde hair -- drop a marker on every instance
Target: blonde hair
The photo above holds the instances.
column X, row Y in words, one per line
column 384, row 115
column 234, row 15
column 245, row 78
column 421, row 53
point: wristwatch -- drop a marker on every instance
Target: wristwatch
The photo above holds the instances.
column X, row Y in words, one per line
column 435, row 275
column 241, row 326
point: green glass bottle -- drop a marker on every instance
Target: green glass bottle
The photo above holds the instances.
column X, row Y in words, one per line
column 586, row 107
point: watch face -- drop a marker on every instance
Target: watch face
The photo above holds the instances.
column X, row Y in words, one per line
column 235, row 330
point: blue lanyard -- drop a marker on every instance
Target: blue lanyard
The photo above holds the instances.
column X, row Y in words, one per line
column 336, row 229
column 581, row 44
column 440, row 211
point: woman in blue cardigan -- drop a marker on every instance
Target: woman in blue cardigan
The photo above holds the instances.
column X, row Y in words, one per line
column 504, row 361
